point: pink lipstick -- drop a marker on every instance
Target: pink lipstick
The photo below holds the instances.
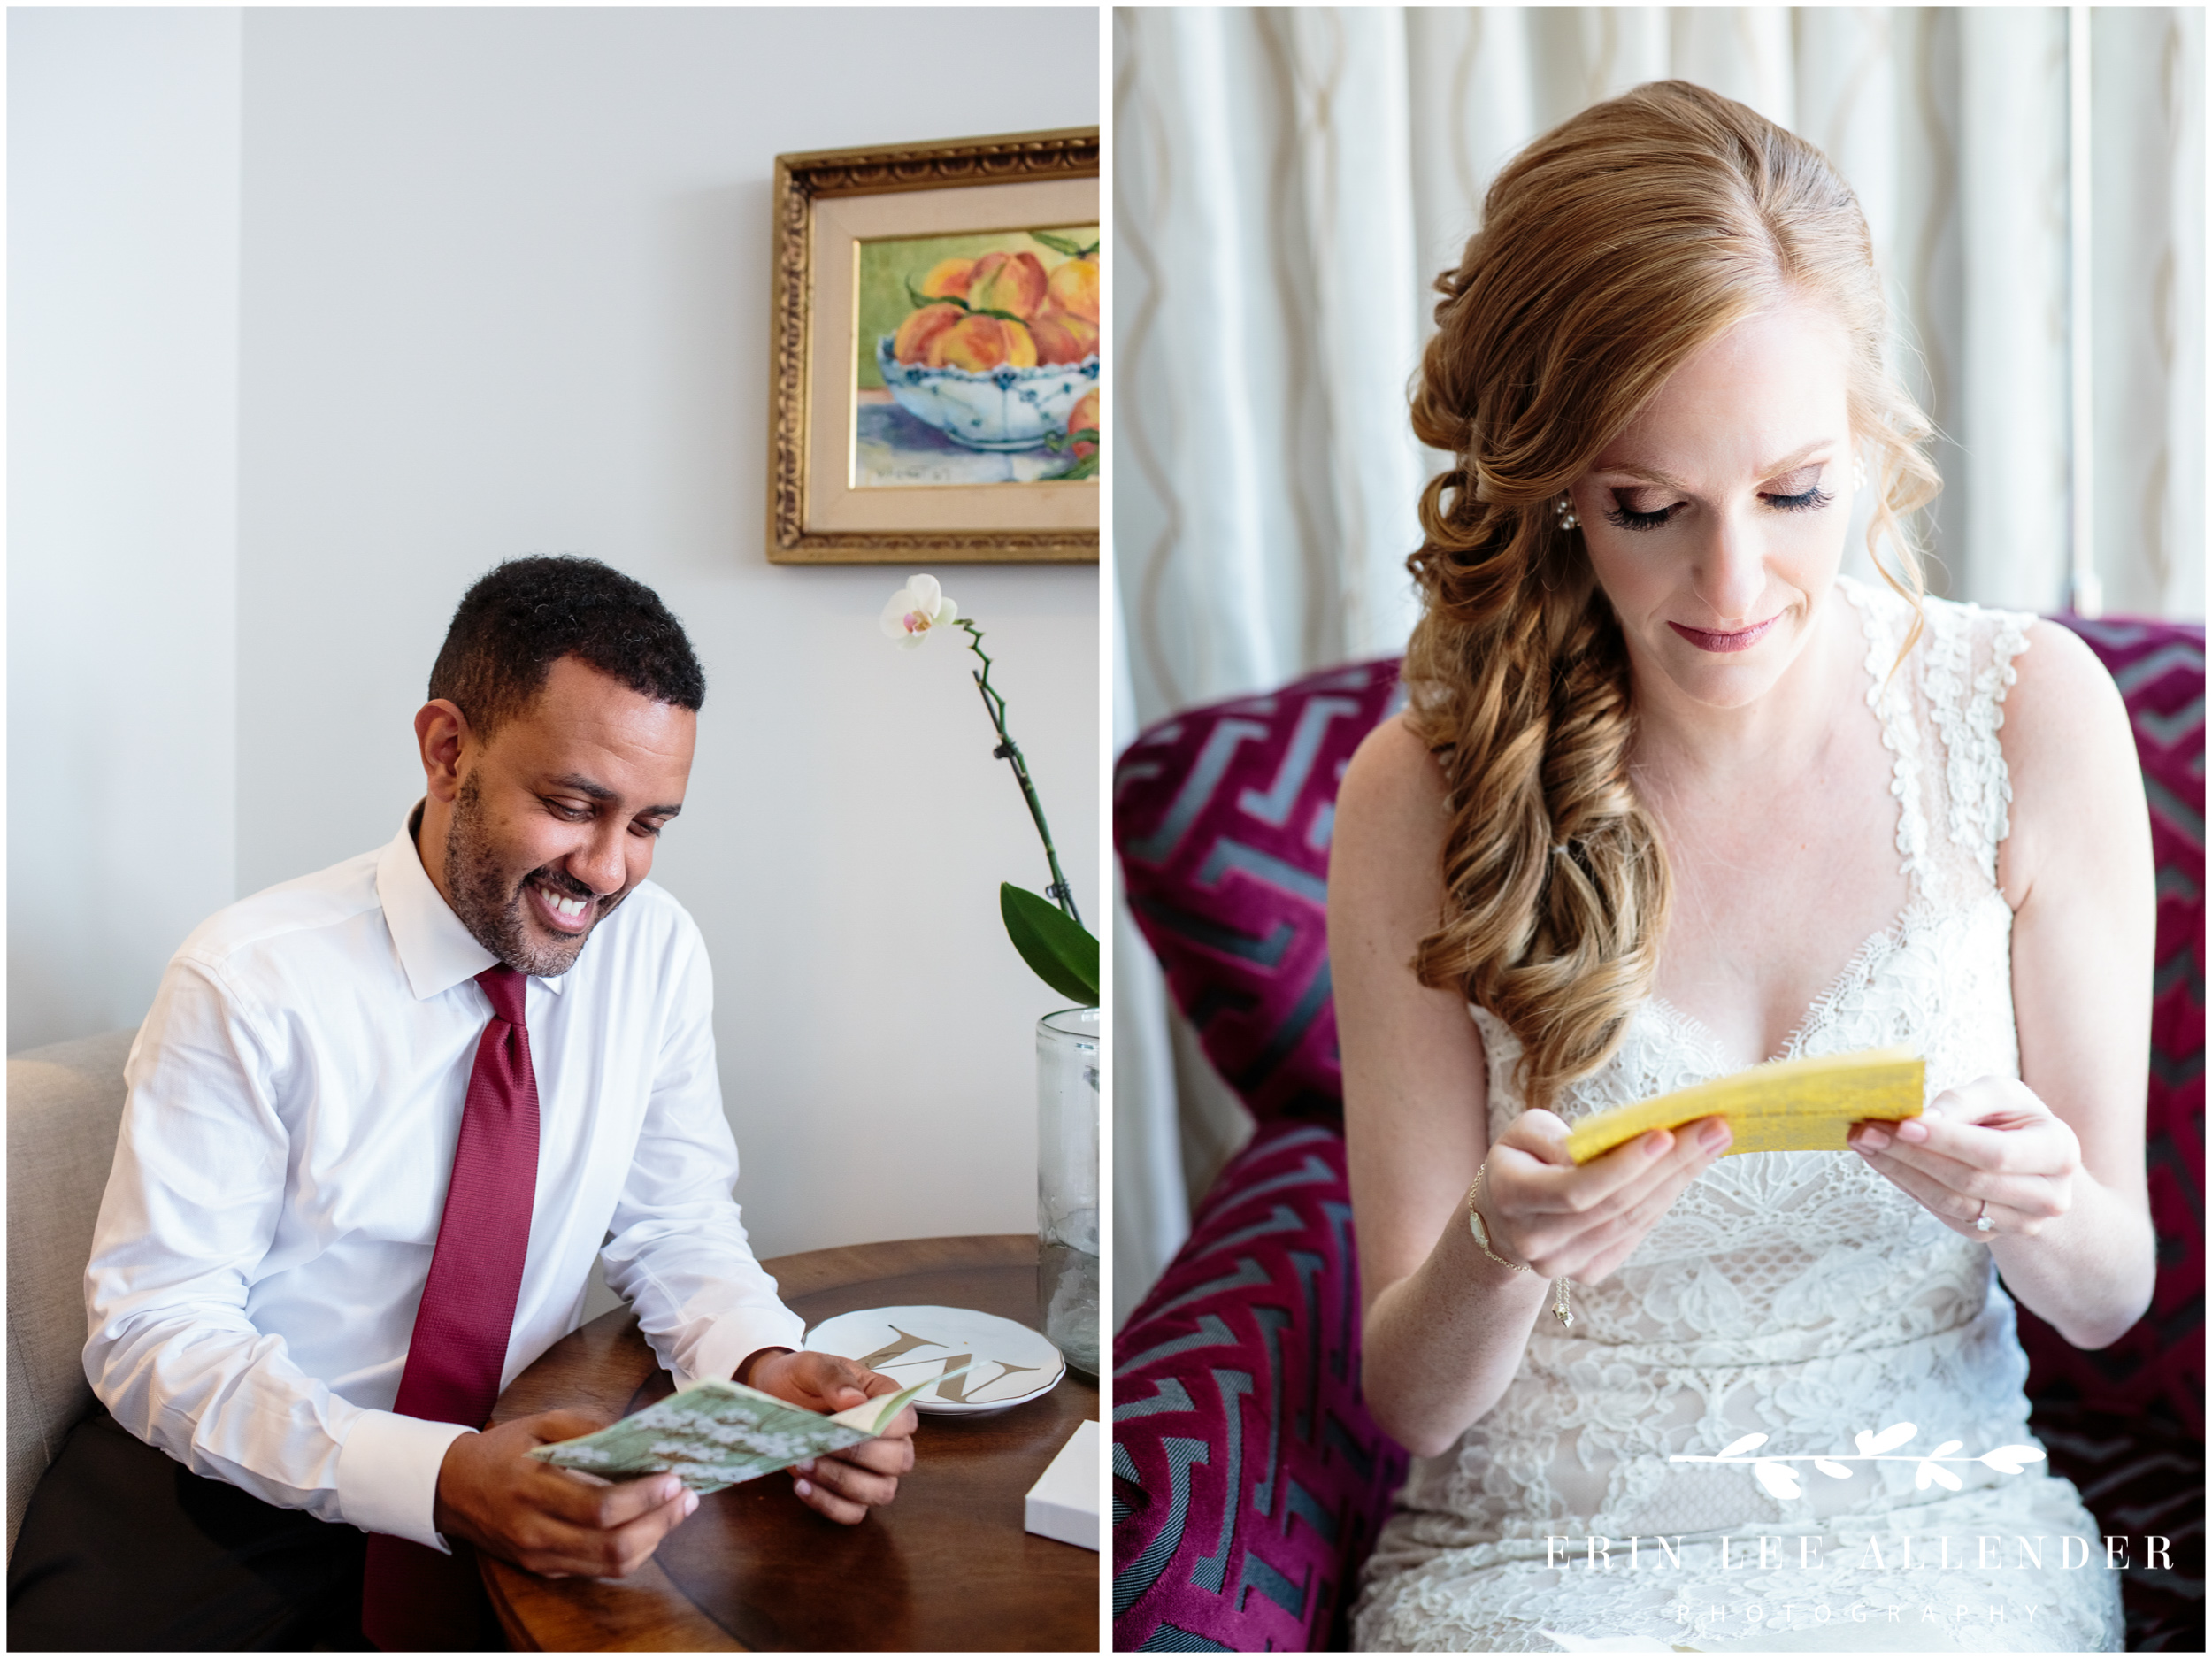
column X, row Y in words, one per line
column 1742, row 640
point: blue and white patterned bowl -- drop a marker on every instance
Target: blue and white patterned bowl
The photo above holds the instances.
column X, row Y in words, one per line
column 1003, row 408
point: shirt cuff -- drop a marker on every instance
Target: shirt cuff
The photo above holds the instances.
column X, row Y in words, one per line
column 736, row 1337
column 387, row 1475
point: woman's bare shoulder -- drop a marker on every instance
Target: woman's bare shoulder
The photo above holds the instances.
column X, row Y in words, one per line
column 2070, row 753
column 1386, row 849
column 1393, row 774
column 2064, row 720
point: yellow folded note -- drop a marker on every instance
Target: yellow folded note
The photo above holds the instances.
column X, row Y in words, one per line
column 1790, row 1106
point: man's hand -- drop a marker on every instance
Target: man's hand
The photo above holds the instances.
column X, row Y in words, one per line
column 846, row 1485
column 546, row 1520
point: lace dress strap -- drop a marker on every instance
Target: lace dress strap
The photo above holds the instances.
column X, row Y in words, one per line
column 1941, row 712
column 1885, row 621
column 1969, row 667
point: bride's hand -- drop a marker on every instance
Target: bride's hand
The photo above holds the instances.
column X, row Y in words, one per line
column 1989, row 1140
column 1570, row 1221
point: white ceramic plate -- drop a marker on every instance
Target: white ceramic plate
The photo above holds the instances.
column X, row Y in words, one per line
column 1012, row 1363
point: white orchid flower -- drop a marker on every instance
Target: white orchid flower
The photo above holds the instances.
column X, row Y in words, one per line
column 909, row 614
column 1053, row 941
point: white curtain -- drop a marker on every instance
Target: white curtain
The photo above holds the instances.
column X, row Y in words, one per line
column 1287, row 183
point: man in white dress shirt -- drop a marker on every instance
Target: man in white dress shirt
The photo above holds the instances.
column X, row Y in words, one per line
column 296, row 1095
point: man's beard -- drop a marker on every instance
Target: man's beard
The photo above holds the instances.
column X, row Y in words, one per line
column 491, row 906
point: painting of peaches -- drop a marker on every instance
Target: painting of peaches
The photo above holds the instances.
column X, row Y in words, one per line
column 977, row 358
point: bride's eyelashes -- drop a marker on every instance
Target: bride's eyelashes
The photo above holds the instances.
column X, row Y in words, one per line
column 1805, row 500
column 1626, row 517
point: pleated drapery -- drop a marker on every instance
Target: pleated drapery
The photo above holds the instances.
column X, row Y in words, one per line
column 1288, row 184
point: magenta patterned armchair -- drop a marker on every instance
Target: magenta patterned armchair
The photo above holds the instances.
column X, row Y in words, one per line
column 1249, row 1480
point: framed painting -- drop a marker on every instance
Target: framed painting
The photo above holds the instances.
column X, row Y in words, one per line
column 934, row 378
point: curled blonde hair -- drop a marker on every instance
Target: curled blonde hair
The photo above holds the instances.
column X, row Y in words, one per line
column 1611, row 250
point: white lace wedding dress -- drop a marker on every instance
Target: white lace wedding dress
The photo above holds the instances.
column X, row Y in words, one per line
column 1797, row 1295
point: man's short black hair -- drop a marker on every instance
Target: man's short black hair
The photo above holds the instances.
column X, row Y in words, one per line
column 528, row 613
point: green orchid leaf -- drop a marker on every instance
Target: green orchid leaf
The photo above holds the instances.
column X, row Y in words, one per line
column 1059, row 951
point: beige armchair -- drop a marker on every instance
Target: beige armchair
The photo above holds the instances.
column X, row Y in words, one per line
column 63, row 1105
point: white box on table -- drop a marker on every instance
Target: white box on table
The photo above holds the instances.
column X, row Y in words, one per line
column 1063, row 1504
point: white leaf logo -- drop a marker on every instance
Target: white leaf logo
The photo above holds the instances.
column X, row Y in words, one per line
column 1937, row 1473
column 1779, row 1479
column 1895, row 1435
column 1773, row 1471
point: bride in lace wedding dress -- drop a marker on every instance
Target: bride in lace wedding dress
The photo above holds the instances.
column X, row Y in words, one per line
column 1663, row 774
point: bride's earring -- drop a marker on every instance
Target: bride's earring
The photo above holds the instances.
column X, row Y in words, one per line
column 1563, row 513
column 1858, row 473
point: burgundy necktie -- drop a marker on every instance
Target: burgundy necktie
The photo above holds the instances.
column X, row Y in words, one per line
column 412, row 1597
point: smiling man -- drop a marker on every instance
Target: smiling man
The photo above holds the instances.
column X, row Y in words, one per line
column 381, row 1121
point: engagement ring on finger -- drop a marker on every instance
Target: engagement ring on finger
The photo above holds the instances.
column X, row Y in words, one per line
column 1982, row 1222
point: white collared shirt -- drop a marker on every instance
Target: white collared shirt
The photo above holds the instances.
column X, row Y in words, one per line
column 295, row 1098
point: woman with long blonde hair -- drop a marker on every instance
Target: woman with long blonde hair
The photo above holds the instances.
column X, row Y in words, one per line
column 1671, row 797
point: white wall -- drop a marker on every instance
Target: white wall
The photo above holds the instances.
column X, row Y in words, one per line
column 504, row 290
column 122, row 504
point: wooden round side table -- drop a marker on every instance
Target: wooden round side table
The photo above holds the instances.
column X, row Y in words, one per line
column 946, row 1566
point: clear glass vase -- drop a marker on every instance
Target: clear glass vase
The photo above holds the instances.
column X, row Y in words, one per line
column 1067, row 1183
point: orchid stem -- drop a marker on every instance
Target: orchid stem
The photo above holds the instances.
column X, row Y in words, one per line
column 1009, row 751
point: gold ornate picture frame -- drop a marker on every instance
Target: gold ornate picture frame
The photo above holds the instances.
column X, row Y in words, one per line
column 926, row 339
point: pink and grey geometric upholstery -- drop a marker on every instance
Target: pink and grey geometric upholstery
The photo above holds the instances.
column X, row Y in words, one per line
column 1249, row 1480
column 1222, row 816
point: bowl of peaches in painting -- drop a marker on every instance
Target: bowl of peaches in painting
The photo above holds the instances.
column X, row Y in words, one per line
column 985, row 361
